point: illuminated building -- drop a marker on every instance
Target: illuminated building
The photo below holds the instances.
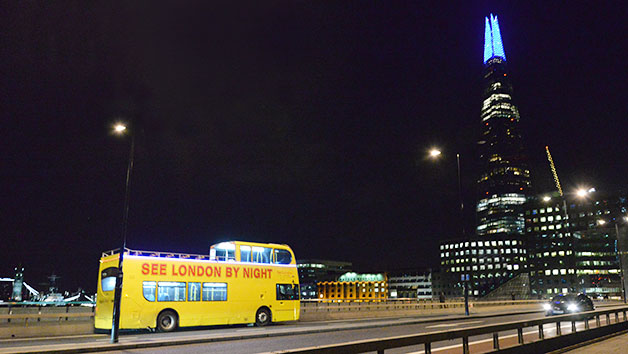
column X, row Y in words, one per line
column 580, row 252
column 410, row 284
column 314, row 271
column 488, row 263
column 505, row 180
column 354, row 287
column 551, row 250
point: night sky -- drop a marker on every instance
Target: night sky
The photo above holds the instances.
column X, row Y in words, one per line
column 302, row 122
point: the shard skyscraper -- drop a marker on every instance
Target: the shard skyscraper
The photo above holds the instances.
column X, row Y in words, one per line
column 504, row 182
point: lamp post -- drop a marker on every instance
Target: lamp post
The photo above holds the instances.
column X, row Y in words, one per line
column 581, row 193
column 121, row 129
column 434, row 154
column 621, row 263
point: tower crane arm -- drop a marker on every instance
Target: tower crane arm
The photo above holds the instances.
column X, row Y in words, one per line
column 554, row 173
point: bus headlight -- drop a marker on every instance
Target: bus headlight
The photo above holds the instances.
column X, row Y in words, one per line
column 573, row 307
column 547, row 307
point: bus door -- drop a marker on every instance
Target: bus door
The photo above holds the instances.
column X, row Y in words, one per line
column 287, row 303
column 104, row 300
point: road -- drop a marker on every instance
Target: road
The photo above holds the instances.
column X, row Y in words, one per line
column 297, row 335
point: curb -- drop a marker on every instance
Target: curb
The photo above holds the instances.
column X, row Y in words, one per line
column 589, row 342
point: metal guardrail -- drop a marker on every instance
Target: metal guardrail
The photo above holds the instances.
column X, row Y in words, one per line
column 379, row 345
column 387, row 305
column 158, row 254
column 46, row 303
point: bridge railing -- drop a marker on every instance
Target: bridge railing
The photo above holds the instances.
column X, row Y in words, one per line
column 413, row 304
column 427, row 339
column 387, row 305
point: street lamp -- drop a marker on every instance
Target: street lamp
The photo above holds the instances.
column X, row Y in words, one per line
column 434, row 154
column 583, row 192
column 120, row 129
column 621, row 263
column 619, row 254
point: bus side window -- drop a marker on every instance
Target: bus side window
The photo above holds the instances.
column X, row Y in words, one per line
column 245, row 253
column 149, row 290
column 170, row 291
column 287, row 292
column 261, row 254
column 282, row 257
column 223, row 252
column 194, row 291
column 214, row 291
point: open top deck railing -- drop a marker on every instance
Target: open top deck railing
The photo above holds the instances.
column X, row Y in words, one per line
column 156, row 254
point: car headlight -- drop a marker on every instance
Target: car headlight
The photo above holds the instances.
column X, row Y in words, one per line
column 572, row 307
column 547, row 307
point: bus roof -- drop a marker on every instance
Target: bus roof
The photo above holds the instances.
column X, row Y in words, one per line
column 249, row 243
column 159, row 254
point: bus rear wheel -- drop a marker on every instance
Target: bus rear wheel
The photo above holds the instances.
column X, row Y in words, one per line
column 262, row 317
column 167, row 321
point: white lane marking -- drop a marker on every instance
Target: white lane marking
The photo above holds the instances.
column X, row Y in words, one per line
column 545, row 330
column 453, row 324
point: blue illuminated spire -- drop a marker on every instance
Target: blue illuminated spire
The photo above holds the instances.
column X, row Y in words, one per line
column 498, row 47
column 488, row 41
column 493, row 46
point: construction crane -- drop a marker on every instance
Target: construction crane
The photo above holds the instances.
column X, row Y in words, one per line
column 557, row 182
column 554, row 173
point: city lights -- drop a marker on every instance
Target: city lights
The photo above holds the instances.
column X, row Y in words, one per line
column 547, row 198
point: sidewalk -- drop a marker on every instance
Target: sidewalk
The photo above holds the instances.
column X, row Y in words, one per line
column 615, row 344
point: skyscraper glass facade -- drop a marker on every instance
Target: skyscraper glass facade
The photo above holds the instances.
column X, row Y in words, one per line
column 577, row 249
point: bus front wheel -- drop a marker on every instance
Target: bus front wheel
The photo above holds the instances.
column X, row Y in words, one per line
column 262, row 317
column 167, row 321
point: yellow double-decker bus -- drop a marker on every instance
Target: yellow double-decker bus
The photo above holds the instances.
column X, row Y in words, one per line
column 238, row 282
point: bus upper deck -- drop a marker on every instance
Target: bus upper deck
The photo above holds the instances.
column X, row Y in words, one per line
column 249, row 252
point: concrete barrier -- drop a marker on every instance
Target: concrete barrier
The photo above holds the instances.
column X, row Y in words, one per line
column 44, row 321
column 47, row 329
